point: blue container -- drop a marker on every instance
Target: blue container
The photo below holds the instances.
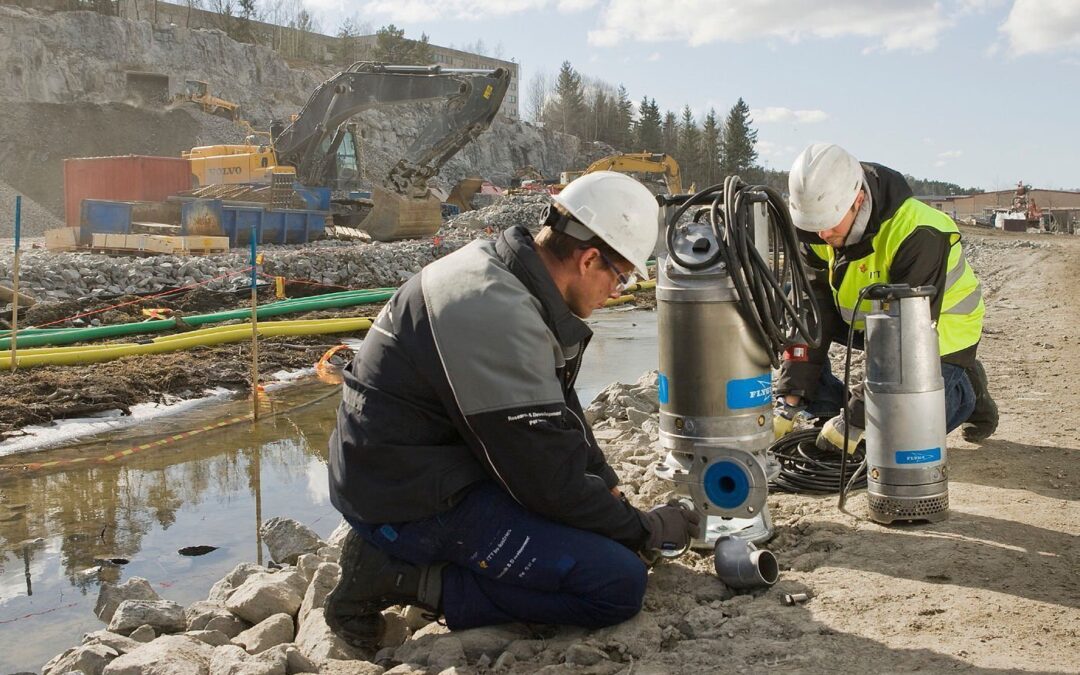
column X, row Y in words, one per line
column 316, row 198
column 99, row 216
column 450, row 210
column 270, row 226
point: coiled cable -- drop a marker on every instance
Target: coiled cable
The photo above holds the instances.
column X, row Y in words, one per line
column 774, row 294
column 806, row 469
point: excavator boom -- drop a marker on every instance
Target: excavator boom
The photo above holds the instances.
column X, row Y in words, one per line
column 472, row 99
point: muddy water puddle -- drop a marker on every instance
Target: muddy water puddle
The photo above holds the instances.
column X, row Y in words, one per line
column 67, row 528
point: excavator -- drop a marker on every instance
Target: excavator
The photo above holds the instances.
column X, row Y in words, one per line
column 310, row 149
column 643, row 162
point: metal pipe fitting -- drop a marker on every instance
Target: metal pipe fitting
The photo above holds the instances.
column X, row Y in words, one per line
column 740, row 564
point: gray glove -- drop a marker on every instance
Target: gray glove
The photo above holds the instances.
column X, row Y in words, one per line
column 671, row 527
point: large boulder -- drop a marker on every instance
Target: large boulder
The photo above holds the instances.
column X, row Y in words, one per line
column 287, row 539
column 111, row 595
column 221, row 591
column 167, row 655
column 264, row 595
column 322, row 582
column 121, row 644
column 90, row 659
column 276, row 630
column 232, row 660
column 318, row 643
column 163, row 616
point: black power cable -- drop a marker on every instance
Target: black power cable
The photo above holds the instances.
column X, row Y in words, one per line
column 805, row 468
column 774, row 294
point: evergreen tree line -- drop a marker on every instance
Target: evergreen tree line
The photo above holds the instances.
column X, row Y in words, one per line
column 593, row 110
column 707, row 152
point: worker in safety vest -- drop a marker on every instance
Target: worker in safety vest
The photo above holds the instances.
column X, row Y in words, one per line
column 860, row 225
column 462, row 459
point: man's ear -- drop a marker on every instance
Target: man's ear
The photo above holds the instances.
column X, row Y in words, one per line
column 588, row 257
column 860, row 199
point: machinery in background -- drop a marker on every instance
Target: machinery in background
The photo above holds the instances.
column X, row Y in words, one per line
column 732, row 294
column 198, row 92
column 907, row 476
column 319, row 148
column 640, row 163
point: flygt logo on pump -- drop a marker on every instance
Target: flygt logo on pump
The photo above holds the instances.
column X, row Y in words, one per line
column 750, row 392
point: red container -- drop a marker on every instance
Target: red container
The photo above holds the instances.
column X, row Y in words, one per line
column 127, row 178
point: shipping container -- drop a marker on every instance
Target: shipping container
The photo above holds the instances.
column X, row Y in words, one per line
column 126, row 178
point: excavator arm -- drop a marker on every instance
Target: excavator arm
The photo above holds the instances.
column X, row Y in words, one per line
column 472, row 99
column 643, row 162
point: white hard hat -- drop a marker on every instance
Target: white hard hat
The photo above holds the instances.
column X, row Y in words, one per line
column 616, row 208
column 823, row 184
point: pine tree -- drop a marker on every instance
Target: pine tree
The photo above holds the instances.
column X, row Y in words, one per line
column 647, row 131
column 710, row 151
column 570, row 101
column 688, row 149
column 391, row 45
column 737, row 152
column 622, row 135
column 670, row 132
column 420, row 53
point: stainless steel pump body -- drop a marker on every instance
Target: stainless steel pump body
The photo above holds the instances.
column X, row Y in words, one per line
column 906, row 457
column 715, row 394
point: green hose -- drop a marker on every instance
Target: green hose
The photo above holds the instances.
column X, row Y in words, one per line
column 62, row 336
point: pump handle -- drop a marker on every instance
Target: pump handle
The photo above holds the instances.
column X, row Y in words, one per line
column 897, row 291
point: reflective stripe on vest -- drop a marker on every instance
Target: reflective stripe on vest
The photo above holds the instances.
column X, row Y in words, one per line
column 962, row 308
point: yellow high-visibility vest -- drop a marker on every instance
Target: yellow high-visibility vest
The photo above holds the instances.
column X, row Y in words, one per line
column 962, row 307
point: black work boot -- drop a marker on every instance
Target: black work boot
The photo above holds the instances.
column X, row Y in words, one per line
column 983, row 420
column 371, row 581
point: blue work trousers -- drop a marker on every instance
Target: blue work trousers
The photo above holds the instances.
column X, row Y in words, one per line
column 959, row 395
column 507, row 564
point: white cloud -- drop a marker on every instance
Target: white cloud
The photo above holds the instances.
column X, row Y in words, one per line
column 944, row 157
column 427, row 10
column 568, row 6
column 655, row 56
column 913, row 25
column 767, row 115
column 1039, row 26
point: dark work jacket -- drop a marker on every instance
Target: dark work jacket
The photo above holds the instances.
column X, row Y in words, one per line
column 921, row 260
column 467, row 375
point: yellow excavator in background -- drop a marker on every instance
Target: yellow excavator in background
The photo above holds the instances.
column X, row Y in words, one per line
column 198, row 92
column 319, row 148
column 643, row 162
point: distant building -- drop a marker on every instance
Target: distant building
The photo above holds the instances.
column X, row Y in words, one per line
column 966, row 207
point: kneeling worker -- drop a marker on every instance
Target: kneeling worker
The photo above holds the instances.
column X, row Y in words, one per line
column 462, row 458
column 861, row 225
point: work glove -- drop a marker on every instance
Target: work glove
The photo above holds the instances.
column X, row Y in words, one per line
column 785, row 417
column 831, row 436
column 671, row 527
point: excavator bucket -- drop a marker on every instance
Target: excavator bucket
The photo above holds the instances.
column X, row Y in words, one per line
column 462, row 194
column 396, row 216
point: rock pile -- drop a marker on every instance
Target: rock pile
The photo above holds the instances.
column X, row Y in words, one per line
column 47, row 275
column 507, row 211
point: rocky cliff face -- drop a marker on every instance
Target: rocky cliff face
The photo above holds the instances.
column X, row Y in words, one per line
column 63, row 86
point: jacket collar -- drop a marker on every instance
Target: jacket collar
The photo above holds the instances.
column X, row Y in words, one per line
column 517, row 250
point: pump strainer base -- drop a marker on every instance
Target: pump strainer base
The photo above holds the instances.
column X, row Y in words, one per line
column 888, row 510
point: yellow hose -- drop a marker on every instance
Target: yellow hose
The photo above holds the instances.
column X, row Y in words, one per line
column 57, row 356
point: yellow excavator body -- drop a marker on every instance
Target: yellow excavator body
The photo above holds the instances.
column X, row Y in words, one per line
column 643, row 162
column 228, row 164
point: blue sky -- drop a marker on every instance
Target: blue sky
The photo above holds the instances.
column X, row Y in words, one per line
column 977, row 92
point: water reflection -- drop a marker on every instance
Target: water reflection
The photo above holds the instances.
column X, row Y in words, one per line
column 59, row 528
